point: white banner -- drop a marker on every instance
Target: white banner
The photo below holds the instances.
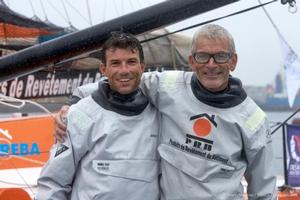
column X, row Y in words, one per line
column 292, row 70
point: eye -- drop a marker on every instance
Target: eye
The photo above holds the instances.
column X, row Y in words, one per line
column 222, row 57
column 132, row 61
column 201, row 56
column 115, row 63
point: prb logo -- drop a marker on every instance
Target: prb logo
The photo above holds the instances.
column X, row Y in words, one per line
column 200, row 143
column 202, row 127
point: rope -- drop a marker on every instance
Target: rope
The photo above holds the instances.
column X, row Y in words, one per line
column 77, row 11
column 122, row 7
column 285, row 121
column 32, row 8
column 67, row 14
column 170, row 33
column 103, row 11
column 209, row 21
column 116, row 8
column 139, row 4
column 89, row 12
column 131, row 5
column 273, row 24
column 44, row 11
column 8, row 101
column 58, row 12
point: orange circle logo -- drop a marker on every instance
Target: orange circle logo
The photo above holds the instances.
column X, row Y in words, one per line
column 202, row 127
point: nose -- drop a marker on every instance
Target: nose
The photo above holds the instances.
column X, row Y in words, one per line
column 211, row 62
column 124, row 68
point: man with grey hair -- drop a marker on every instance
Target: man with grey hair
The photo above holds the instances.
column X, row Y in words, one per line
column 212, row 133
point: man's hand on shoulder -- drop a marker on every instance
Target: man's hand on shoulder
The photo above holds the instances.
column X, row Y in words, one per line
column 61, row 122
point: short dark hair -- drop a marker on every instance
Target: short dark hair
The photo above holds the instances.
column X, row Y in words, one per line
column 122, row 40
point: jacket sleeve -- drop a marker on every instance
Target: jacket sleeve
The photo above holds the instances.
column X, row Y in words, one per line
column 82, row 91
column 150, row 86
column 260, row 174
column 55, row 181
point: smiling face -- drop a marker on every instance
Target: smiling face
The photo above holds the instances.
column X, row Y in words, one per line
column 213, row 76
column 123, row 69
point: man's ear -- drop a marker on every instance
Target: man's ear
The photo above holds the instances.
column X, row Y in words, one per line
column 233, row 62
column 102, row 69
column 191, row 62
column 143, row 65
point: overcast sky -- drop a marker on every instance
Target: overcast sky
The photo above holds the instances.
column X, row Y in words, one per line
column 256, row 40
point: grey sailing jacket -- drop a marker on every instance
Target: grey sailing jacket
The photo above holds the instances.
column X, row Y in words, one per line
column 105, row 156
column 210, row 141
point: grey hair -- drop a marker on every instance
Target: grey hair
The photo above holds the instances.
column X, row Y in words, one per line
column 213, row 32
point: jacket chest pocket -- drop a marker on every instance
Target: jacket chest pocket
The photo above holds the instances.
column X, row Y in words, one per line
column 200, row 168
column 141, row 170
column 127, row 179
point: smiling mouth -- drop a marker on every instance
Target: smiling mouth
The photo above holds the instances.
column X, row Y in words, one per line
column 124, row 80
column 213, row 75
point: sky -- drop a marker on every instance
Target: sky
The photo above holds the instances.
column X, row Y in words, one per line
column 257, row 42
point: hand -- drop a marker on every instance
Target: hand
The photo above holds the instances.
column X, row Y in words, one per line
column 61, row 123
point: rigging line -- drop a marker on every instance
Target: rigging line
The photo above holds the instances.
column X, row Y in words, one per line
column 209, row 21
column 131, row 5
column 7, row 2
column 269, row 17
column 273, row 23
column 122, row 7
column 149, row 3
column 44, row 11
column 139, row 4
column 17, row 184
column 116, row 8
column 103, row 11
column 57, row 11
column 23, row 179
column 189, row 27
column 7, row 100
column 285, row 121
column 66, row 12
column 23, row 158
column 77, row 11
column 89, row 12
column 32, row 8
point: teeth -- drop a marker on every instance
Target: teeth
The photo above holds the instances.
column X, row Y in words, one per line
column 124, row 80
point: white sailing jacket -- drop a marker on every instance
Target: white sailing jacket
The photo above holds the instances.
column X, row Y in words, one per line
column 105, row 156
